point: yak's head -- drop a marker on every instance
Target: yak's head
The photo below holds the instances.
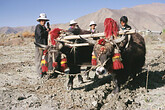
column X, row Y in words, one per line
column 104, row 51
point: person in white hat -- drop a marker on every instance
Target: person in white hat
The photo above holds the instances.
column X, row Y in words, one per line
column 74, row 28
column 91, row 30
column 93, row 27
column 41, row 37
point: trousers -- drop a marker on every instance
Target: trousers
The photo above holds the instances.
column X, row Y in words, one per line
column 38, row 58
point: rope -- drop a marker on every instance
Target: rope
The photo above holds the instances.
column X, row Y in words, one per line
column 74, row 50
column 63, row 73
column 93, row 67
column 117, row 47
column 147, row 78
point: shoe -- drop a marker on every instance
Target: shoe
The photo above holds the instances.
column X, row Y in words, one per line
column 54, row 75
column 42, row 74
column 80, row 79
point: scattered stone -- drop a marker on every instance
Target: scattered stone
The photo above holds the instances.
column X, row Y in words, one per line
column 21, row 98
column 52, row 93
column 38, row 87
column 19, row 70
column 94, row 103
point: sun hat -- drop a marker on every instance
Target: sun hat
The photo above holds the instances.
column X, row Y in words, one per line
column 42, row 17
column 72, row 22
column 92, row 23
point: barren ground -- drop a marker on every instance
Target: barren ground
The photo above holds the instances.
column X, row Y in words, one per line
column 20, row 87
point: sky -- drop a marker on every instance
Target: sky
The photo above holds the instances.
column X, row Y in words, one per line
column 15, row 13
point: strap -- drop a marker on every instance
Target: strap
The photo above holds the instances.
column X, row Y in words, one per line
column 129, row 37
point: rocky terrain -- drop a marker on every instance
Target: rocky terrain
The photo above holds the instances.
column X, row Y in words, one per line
column 21, row 88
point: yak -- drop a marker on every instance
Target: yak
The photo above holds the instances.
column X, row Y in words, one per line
column 132, row 50
column 76, row 56
column 75, row 59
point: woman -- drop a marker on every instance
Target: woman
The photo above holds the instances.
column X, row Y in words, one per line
column 41, row 37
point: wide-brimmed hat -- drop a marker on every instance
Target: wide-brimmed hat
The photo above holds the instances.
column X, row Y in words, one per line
column 92, row 23
column 72, row 22
column 42, row 17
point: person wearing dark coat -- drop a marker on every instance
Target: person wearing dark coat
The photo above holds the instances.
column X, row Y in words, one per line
column 41, row 37
column 41, row 34
column 124, row 25
column 74, row 28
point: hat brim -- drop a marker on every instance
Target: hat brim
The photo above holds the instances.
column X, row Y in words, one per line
column 72, row 24
column 45, row 19
column 93, row 24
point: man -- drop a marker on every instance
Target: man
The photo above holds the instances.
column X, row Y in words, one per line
column 123, row 22
column 74, row 28
column 41, row 37
column 93, row 27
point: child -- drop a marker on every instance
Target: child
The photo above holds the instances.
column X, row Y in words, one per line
column 124, row 25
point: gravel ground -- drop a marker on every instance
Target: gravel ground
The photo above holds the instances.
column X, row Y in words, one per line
column 21, row 88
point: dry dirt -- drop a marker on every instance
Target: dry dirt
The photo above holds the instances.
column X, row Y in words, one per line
column 21, row 88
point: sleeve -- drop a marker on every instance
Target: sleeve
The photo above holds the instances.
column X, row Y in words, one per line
column 38, row 31
column 75, row 31
column 44, row 33
column 71, row 30
column 128, row 27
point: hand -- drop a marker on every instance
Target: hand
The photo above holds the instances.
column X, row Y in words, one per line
column 64, row 30
column 77, row 25
column 48, row 30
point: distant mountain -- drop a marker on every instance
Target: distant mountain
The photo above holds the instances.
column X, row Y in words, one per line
column 141, row 17
column 8, row 30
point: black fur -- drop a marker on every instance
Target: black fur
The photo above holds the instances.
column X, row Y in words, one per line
column 133, row 58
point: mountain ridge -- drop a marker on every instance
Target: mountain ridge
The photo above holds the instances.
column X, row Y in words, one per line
column 141, row 17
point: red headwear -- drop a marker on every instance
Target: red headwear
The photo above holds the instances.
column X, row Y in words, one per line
column 54, row 35
column 111, row 28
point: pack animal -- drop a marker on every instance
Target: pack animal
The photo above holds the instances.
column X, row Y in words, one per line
column 76, row 56
column 132, row 50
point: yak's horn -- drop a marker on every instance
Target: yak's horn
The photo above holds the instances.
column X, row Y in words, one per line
column 119, row 39
column 44, row 47
column 60, row 46
column 90, row 41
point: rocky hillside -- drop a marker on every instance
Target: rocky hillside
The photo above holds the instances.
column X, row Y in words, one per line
column 142, row 17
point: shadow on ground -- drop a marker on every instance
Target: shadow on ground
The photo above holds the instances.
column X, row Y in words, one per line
column 154, row 81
